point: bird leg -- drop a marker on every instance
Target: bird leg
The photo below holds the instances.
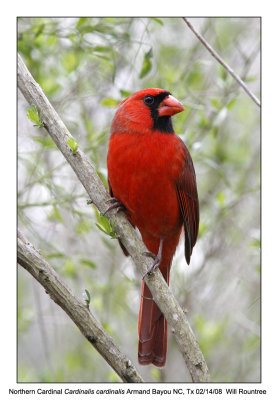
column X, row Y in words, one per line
column 157, row 258
column 115, row 204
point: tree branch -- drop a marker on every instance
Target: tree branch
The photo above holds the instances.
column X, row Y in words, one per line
column 222, row 62
column 30, row 259
column 87, row 175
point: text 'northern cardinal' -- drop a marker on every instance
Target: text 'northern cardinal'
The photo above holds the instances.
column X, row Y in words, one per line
column 151, row 173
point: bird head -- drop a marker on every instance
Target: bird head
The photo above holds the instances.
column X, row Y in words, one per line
column 145, row 111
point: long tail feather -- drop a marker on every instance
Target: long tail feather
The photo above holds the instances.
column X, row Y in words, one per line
column 152, row 328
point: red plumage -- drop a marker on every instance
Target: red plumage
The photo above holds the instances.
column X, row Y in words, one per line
column 150, row 171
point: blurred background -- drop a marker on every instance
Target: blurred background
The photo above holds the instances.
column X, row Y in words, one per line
column 85, row 67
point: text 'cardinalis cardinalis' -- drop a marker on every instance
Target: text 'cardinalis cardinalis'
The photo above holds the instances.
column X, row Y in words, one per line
column 151, row 173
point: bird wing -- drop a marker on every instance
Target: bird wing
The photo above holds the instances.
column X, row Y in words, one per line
column 189, row 204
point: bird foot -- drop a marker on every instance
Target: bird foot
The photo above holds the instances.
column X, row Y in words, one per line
column 157, row 259
column 154, row 265
column 115, row 204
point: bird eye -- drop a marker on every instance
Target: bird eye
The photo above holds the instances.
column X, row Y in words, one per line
column 148, row 100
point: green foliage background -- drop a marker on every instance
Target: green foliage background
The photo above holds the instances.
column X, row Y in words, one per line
column 86, row 66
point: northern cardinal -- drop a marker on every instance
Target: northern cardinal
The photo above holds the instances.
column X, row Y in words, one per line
column 151, row 175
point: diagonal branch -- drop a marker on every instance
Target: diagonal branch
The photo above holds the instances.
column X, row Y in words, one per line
column 30, row 259
column 222, row 62
column 87, row 175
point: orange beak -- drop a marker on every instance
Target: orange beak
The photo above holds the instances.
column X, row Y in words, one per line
column 170, row 106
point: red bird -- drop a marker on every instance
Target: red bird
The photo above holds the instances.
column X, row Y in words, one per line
column 151, row 174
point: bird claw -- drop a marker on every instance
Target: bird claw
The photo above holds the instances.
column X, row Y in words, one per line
column 154, row 265
column 149, row 254
column 152, row 268
column 116, row 204
column 156, row 259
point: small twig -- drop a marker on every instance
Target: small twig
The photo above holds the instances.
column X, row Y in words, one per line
column 30, row 259
column 222, row 62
